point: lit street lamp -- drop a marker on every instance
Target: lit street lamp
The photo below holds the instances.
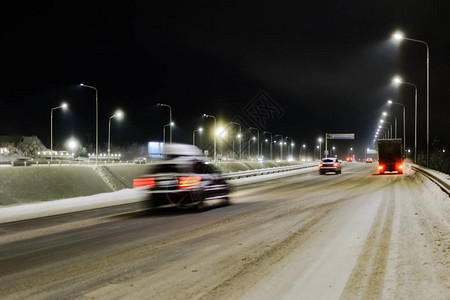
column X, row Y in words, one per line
column 239, row 137
column 171, row 124
column 385, row 114
column 72, row 144
column 292, row 146
column 320, row 148
column 386, row 133
column 404, row 122
column 63, row 106
column 398, row 80
column 96, row 119
column 170, row 118
column 193, row 134
column 399, row 37
column 281, row 145
column 249, row 145
column 390, row 126
column 257, row 143
column 215, row 131
column 304, row 152
column 118, row 115
column 271, row 143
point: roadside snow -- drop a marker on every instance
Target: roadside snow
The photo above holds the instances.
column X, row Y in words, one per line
column 56, row 207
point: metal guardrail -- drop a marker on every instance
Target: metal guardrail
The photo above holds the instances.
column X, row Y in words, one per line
column 66, row 163
column 266, row 171
column 441, row 179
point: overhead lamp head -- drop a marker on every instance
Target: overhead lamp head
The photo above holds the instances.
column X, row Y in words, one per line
column 398, row 36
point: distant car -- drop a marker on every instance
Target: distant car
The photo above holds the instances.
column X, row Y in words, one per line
column 183, row 181
column 349, row 159
column 140, row 160
column 330, row 164
column 369, row 160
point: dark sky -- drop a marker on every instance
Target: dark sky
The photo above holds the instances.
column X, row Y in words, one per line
column 325, row 67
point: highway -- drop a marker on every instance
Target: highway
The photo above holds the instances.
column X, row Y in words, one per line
column 358, row 235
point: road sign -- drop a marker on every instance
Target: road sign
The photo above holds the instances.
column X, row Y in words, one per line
column 325, row 152
column 370, row 151
column 340, row 136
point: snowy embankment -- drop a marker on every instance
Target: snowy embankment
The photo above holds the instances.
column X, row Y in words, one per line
column 125, row 196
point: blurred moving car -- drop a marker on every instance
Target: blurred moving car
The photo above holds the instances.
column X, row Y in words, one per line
column 369, row 160
column 349, row 159
column 140, row 160
column 183, row 180
column 330, row 164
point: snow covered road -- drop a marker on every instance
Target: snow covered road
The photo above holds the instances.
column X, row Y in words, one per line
column 358, row 235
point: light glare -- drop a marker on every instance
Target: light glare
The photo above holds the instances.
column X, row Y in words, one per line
column 397, row 80
column 398, row 36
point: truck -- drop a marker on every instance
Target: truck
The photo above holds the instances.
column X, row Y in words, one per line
column 390, row 156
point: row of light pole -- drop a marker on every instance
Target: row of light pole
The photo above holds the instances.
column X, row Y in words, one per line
column 397, row 80
column 398, row 36
column 118, row 115
column 239, row 136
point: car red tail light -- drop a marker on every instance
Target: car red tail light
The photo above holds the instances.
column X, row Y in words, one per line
column 144, row 182
column 380, row 167
column 188, row 181
column 335, row 165
column 400, row 167
column 320, row 165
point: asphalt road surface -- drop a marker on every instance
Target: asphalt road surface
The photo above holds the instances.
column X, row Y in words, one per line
column 357, row 235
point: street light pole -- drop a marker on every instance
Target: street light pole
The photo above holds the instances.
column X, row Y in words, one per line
column 287, row 148
column 240, row 141
column 249, row 146
column 281, row 145
column 320, row 148
column 398, row 81
column 193, row 134
column 271, row 142
column 390, row 128
column 96, row 119
column 170, row 119
column 257, row 144
column 63, row 106
column 304, row 151
column 118, row 114
column 400, row 36
column 215, row 133
column 404, row 122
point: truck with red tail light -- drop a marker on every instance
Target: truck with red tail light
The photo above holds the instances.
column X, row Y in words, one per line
column 390, row 156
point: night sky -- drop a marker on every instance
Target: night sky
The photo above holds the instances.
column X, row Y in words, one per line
column 324, row 67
